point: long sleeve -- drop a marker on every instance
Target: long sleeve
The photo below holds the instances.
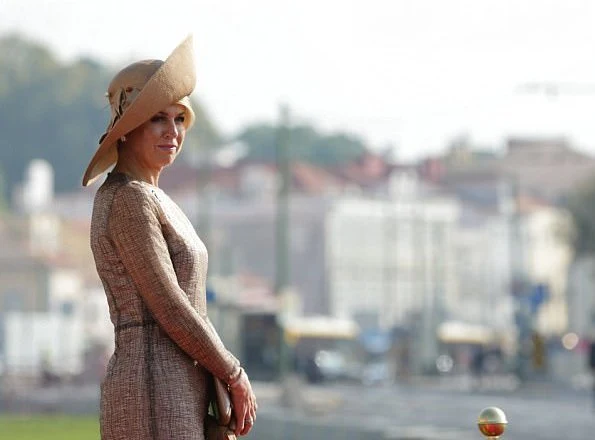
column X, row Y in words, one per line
column 135, row 228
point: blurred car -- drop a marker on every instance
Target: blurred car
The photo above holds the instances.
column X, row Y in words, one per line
column 326, row 365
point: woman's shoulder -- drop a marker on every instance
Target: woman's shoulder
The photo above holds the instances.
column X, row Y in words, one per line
column 126, row 187
column 119, row 190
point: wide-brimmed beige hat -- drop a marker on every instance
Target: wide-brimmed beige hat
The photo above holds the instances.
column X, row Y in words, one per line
column 137, row 93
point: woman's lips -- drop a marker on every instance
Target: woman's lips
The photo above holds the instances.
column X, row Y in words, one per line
column 168, row 148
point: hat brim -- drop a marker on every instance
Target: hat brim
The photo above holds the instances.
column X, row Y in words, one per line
column 174, row 80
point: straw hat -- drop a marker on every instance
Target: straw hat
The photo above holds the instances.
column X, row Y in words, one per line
column 138, row 92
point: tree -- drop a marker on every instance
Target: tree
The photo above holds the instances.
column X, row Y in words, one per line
column 305, row 144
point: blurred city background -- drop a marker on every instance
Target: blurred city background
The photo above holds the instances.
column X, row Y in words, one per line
column 381, row 273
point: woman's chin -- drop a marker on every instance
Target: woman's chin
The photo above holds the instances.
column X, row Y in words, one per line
column 168, row 160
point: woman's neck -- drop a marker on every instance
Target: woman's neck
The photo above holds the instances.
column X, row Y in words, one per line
column 137, row 172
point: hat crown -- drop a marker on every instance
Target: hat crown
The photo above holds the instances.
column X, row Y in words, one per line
column 135, row 74
column 132, row 77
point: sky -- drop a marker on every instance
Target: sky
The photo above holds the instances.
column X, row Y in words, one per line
column 409, row 74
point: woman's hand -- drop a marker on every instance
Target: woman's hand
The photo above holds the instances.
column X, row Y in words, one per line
column 244, row 404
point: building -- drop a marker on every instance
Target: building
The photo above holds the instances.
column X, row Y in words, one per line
column 548, row 254
column 546, row 168
column 41, row 317
column 387, row 260
column 50, row 314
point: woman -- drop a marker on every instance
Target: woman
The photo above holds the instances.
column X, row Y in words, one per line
column 153, row 267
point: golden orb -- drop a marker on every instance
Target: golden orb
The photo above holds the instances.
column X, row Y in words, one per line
column 492, row 422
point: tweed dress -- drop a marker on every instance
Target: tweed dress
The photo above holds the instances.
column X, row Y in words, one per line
column 153, row 268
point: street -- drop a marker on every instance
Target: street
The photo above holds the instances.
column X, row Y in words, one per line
column 422, row 409
column 437, row 410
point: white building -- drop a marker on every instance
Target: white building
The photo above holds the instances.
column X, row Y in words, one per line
column 42, row 318
column 548, row 254
column 387, row 260
column 483, row 254
column 38, row 341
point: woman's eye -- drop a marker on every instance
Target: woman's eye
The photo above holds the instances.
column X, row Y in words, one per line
column 157, row 118
column 180, row 119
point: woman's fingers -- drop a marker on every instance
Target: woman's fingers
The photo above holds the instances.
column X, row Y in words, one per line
column 250, row 418
column 247, row 426
column 242, row 412
column 253, row 408
column 240, row 419
column 245, row 406
column 244, row 424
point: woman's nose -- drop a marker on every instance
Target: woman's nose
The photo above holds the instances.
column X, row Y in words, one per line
column 171, row 129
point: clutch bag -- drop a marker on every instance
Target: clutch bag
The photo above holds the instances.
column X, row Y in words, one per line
column 220, row 422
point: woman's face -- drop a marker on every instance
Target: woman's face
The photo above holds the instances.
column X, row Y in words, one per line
column 156, row 143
